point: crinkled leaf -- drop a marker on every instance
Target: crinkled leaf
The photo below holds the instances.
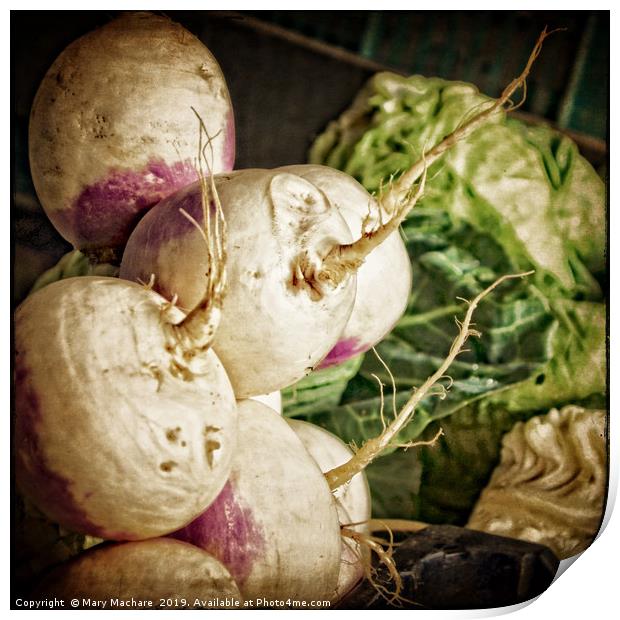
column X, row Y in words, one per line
column 578, row 194
column 578, row 367
column 514, row 344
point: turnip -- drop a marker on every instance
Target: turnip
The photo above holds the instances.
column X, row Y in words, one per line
column 274, row 525
column 292, row 261
column 330, row 451
column 112, row 130
column 275, row 328
column 125, row 418
column 157, row 573
column 387, row 268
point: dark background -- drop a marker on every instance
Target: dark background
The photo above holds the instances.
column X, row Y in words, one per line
column 290, row 72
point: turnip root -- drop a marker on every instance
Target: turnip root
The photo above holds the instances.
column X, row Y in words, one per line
column 274, row 327
column 274, row 525
column 378, row 222
column 273, row 400
column 112, row 130
column 387, row 268
column 354, row 564
column 148, row 574
column 125, row 423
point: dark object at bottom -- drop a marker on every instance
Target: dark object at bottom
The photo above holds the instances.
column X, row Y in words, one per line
column 449, row 567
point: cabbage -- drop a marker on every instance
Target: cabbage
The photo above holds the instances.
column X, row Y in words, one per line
column 510, row 198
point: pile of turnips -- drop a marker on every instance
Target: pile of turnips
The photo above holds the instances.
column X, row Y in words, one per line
column 138, row 415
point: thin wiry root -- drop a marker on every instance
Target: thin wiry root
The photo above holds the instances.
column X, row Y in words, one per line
column 395, row 525
column 368, row 218
column 393, row 382
column 439, row 391
column 450, row 382
column 383, row 550
column 382, row 402
column 353, row 446
column 338, row 476
column 169, row 305
column 148, row 285
column 416, row 444
column 385, row 558
column 196, row 331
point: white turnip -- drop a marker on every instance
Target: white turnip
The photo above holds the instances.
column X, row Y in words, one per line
column 275, row 326
column 124, row 424
column 157, row 573
column 125, row 418
column 352, row 499
column 275, row 524
column 330, row 451
column 112, row 129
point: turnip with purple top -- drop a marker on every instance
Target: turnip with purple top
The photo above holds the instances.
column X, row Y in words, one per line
column 125, row 419
column 112, row 130
column 276, row 326
column 275, row 524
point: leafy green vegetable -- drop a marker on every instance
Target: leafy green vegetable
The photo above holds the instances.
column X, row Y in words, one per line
column 526, row 187
column 511, row 198
column 526, row 336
